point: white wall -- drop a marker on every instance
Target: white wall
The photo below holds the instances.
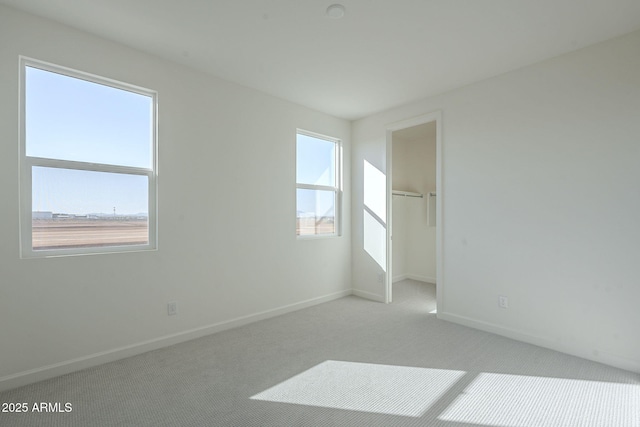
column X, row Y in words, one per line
column 414, row 239
column 224, row 150
column 541, row 201
column 399, row 223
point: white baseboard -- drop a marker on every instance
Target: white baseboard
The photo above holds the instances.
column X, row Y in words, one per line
column 583, row 351
column 426, row 279
column 368, row 295
column 73, row 365
column 419, row 278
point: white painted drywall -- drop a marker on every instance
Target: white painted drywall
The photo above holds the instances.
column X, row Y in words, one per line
column 541, row 200
column 414, row 170
column 399, row 238
column 227, row 243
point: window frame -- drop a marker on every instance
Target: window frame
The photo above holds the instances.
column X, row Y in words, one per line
column 337, row 189
column 26, row 164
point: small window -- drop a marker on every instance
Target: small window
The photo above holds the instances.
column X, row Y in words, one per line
column 318, row 196
column 88, row 156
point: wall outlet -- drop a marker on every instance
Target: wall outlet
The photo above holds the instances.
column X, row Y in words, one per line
column 381, row 278
column 503, row 301
column 172, row 308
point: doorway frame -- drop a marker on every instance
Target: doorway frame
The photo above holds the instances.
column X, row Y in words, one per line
column 435, row 116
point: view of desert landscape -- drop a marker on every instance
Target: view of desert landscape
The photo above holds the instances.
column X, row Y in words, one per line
column 61, row 233
column 310, row 226
column 64, row 233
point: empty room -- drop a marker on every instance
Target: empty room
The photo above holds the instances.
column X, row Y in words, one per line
column 308, row 213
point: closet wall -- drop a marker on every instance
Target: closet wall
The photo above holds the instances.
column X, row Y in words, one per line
column 414, row 236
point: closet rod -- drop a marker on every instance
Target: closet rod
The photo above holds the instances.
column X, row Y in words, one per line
column 406, row 194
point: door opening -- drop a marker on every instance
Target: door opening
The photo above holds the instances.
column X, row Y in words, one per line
column 414, row 211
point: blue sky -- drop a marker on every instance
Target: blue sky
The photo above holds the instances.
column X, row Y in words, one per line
column 83, row 192
column 313, row 155
column 73, row 119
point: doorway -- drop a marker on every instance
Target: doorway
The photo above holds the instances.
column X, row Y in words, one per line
column 414, row 210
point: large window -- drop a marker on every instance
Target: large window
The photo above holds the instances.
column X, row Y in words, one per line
column 318, row 165
column 88, row 163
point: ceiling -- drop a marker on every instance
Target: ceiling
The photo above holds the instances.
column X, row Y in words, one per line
column 381, row 54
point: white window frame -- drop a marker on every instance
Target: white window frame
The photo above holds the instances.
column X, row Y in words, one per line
column 337, row 189
column 27, row 163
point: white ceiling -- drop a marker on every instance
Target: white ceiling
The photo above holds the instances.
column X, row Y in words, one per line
column 382, row 54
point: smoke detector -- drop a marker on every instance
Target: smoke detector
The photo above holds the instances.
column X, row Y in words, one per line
column 335, row 11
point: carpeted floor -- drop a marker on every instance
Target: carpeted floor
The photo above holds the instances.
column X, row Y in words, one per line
column 349, row 362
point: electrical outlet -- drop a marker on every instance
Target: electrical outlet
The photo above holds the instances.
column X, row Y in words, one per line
column 172, row 308
column 503, row 301
column 381, row 278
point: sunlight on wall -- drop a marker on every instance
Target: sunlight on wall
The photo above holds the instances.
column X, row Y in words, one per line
column 375, row 238
column 383, row 389
column 375, row 214
column 375, row 191
column 515, row 400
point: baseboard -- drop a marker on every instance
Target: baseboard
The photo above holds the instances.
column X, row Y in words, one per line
column 419, row 278
column 399, row 278
column 425, row 279
column 368, row 295
column 583, row 351
column 73, row 365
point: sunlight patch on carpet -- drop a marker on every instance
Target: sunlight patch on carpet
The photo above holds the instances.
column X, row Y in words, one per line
column 382, row 389
column 516, row 400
